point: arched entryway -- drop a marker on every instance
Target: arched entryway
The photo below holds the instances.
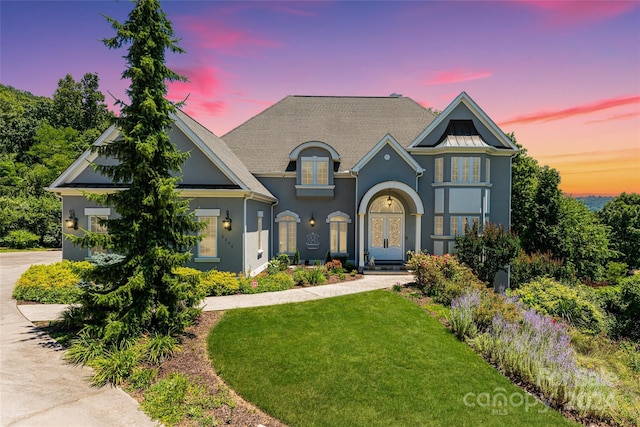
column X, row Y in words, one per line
column 382, row 219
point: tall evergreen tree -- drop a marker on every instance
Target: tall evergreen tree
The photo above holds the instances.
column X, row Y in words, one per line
column 154, row 229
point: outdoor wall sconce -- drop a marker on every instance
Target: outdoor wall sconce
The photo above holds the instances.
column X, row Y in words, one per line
column 312, row 221
column 226, row 223
column 72, row 221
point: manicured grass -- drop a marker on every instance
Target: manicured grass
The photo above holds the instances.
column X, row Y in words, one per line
column 373, row 359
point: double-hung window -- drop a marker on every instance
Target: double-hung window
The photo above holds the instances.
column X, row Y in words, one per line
column 287, row 229
column 465, row 169
column 439, row 170
column 94, row 216
column 315, row 171
column 438, row 225
column 338, row 222
column 208, row 245
column 460, row 224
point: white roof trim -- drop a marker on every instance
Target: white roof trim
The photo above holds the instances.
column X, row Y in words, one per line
column 317, row 144
column 338, row 213
column 287, row 213
column 82, row 162
column 388, row 140
column 208, row 152
column 465, row 99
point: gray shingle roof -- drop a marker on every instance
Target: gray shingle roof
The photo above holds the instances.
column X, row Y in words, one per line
column 351, row 125
column 223, row 152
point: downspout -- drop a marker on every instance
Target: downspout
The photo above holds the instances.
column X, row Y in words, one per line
column 244, row 231
column 271, row 235
column 418, row 217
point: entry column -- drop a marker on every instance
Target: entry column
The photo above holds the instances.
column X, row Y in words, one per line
column 418, row 232
column 360, row 240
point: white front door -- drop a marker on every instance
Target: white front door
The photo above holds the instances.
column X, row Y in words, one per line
column 386, row 229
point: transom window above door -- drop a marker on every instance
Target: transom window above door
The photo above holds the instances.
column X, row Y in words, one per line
column 387, row 204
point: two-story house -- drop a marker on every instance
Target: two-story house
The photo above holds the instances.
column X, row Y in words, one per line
column 359, row 177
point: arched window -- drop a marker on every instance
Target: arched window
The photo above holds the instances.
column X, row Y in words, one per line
column 287, row 230
column 338, row 232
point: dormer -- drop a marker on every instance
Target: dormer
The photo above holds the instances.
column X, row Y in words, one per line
column 314, row 163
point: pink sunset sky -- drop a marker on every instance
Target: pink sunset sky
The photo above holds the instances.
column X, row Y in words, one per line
column 564, row 76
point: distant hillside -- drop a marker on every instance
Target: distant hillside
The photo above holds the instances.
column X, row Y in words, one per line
column 594, row 203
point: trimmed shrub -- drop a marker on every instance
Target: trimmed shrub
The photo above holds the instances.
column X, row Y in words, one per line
column 284, row 261
column 296, row 258
column 316, row 276
column 577, row 305
column 269, row 283
column 21, row 239
column 217, row 283
column 51, row 284
column 299, row 276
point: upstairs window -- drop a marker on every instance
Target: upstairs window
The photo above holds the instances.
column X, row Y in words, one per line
column 438, row 170
column 465, row 169
column 315, row 171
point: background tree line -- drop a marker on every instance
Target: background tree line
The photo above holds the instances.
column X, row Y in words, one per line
column 39, row 138
column 553, row 234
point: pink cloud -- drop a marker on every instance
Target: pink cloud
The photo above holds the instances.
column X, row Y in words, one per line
column 200, row 91
column 545, row 116
column 216, row 34
column 623, row 116
column 202, row 80
column 454, row 76
column 561, row 13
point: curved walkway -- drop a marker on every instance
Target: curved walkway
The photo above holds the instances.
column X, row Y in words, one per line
column 37, row 388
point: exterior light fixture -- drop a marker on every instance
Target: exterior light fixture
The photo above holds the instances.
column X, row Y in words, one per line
column 312, row 221
column 226, row 223
column 72, row 221
column 389, row 199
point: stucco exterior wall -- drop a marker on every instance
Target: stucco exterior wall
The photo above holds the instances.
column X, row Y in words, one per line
column 320, row 208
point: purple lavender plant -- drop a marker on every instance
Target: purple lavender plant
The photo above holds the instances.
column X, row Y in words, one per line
column 538, row 351
column 463, row 314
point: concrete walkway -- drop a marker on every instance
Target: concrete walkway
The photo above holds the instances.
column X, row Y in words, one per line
column 37, row 388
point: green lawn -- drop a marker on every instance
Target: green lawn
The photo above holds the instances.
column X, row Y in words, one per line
column 371, row 359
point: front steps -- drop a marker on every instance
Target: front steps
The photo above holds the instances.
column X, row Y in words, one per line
column 391, row 268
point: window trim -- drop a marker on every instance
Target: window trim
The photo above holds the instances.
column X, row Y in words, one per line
column 259, row 227
column 214, row 214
